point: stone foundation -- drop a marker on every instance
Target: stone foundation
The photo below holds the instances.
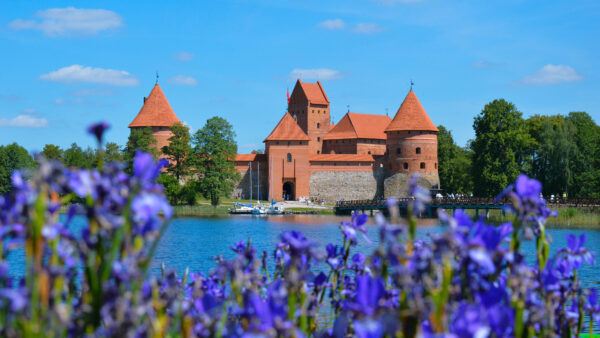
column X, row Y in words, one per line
column 333, row 186
column 396, row 185
column 242, row 188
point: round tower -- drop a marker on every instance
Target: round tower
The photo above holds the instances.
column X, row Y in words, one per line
column 411, row 148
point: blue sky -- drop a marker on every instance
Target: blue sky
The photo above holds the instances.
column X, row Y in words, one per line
column 64, row 65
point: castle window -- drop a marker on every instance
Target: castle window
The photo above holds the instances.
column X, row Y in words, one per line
column 318, row 112
column 318, row 139
column 398, row 151
column 318, row 125
column 405, row 165
column 318, row 151
column 436, row 166
column 418, row 150
column 369, row 152
column 313, row 111
column 289, row 157
column 422, row 165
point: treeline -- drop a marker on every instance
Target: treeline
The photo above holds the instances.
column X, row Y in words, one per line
column 198, row 164
column 562, row 152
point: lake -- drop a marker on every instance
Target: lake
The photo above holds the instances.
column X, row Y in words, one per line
column 194, row 242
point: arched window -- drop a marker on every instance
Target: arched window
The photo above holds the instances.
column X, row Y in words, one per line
column 318, row 139
column 418, row 150
column 369, row 152
column 289, row 157
column 318, row 151
column 318, row 125
column 398, row 151
column 422, row 165
column 405, row 165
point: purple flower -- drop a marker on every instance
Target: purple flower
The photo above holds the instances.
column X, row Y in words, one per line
column 368, row 328
column 369, row 296
column 145, row 169
column 421, row 195
column 576, row 254
column 146, row 209
column 98, row 129
column 356, row 223
column 333, row 256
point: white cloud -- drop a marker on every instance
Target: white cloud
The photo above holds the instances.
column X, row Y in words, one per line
column 182, row 80
column 316, row 74
column 552, row 74
column 70, row 21
column 24, row 121
column 367, row 28
column 183, row 56
column 81, row 74
column 333, row 24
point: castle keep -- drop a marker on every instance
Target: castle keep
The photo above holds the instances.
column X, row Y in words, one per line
column 363, row 156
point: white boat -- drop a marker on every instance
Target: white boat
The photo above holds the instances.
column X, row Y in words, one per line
column 276, row 209
column 259, row 210
column 240, row 208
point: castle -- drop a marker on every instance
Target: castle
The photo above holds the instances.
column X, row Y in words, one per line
column 363, row 156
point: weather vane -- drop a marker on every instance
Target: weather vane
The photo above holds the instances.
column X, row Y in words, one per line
column 157, row 77
column 411, row 84
column 348, row 106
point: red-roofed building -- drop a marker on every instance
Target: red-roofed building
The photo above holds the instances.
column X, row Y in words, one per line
column 357, row 134
column 157, row 114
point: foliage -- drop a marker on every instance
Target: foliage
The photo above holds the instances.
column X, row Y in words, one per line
column 178, row 151
column 471, row 280
column 585, row 167
column 52, row 152
column 454, row 164
column 79, row 158
column 112, row 153
column 500, row 148
column 179, row 194
column 139, row 139
column 214, row 151
column 13, row 157
column 554, row 149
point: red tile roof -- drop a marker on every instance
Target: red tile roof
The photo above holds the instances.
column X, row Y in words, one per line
column 156, row 111
column 287, row 130
column 363, row 126
column 411, row 116
column 341, row 158
column 249, row 157
column 314, row 92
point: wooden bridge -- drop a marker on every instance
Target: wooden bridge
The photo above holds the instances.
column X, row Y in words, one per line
column 474, row 203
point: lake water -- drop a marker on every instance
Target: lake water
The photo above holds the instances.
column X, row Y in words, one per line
column 194, row 242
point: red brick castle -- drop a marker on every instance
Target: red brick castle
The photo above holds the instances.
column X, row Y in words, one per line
column 364, row 156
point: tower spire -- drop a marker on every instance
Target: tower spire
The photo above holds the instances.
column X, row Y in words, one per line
column 411, row 84
column 156, row 77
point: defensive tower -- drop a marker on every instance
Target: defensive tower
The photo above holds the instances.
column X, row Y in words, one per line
column 309, row 106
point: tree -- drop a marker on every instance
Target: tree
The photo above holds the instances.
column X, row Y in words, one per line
column 52, row 152
column 214, row 151
column 454, row 164
column 178, row 151
column 139, row 139
column 501, row 147
column 585, row 166
column 553, row 152
column 112, row 153
column 75, row 157
column 13, row 157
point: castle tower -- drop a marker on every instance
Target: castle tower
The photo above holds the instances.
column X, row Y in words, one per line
column 309, row 105
column 411, row 148
column 157, row 114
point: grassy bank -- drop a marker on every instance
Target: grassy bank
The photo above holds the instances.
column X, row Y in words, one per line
column 589, row 218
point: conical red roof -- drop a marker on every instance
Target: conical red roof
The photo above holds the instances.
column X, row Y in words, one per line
column 156, row 111
column 287, row 130
column 411, row 116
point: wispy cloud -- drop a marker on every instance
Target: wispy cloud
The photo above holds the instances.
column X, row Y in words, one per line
column 333, row 24
column 367, row 28
column 551, row 75
column 183, row 56
column 70, row 21
column 24, row 121
column 316, row 74
column 182, row 80
column 81, row 74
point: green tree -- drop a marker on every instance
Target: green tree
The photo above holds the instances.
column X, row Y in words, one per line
column 178, row 151
column 142, row 139
column 112, row 153
column 214, row 151
column 554, row 149
column 454, row 164
column 75, row 157
column 501, row 147
column 52, row 152
column 13, row 157
column 585, row 166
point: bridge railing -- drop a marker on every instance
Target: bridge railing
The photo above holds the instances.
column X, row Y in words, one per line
column 573, row 202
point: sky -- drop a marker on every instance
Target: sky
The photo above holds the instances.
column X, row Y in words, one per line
column 65, row 65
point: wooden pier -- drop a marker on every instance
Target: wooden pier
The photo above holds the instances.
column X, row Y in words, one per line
column 473, row 203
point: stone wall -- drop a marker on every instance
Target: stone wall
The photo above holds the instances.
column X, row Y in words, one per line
column 242, row 189
column 396, row 185
column 347, row 185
